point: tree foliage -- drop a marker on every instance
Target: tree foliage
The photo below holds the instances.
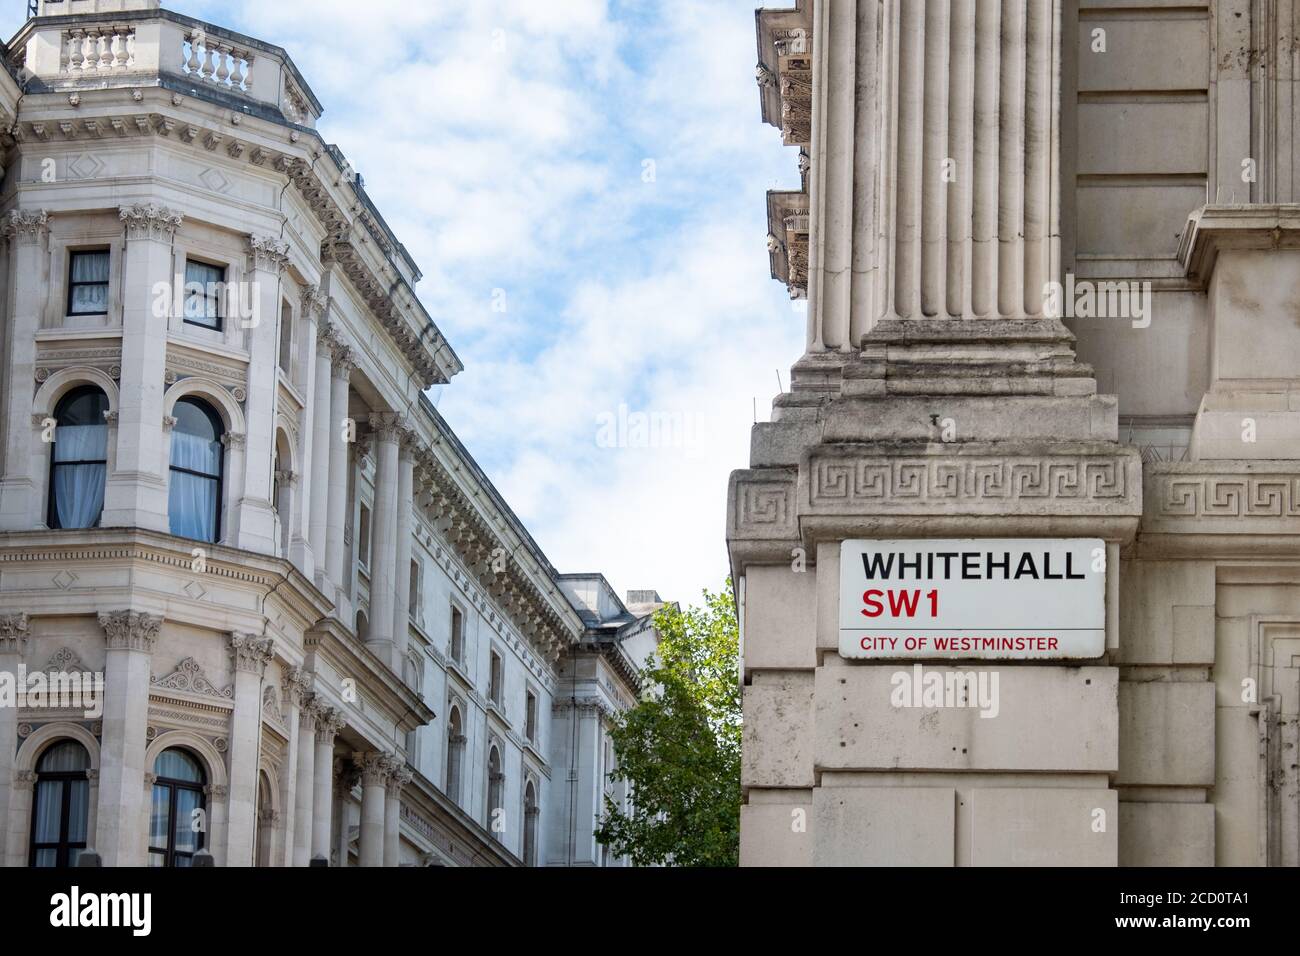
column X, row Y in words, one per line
column 679, row 747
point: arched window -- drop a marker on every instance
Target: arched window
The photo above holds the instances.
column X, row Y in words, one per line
column 176, row 831
column 62, row 804
column 495, row 787
column 265, row 821
column 363, row 626
column 194, row 498
column 455, row 754
column 80, row 459
column 531, row 811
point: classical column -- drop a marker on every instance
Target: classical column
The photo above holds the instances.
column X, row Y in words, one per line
column 295, row 687
column 319, row 468
column 328, row 722
column 267, row 258
column 249, row 655
column 135, row 494
column 383, row 546
column 129, row 639
column 399, row 775
column 375, row 769
column 13, row 645
column 346, row 777
column 28, row 234
column 306, row 784
column 402, row 569
column 304, row 551
column 339, row 440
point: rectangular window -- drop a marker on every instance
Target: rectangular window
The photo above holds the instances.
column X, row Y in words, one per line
column 530, row 717
column 286, row 340
column 88, row 283
column 204, row 285
column 457, row 643
column 413, row 608
column 363, row 538
column 494, row 679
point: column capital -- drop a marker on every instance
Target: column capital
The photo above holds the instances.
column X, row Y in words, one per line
column 375, row 767
column 150, row 221
column 399, row 775
column 329, row 720
column 250, row 653
column 295, row 683
column 344, row 362
column 13, row 633
column 409, row 445
column 315, row 303
column 24, row 779
column 267, row 254
column 388, row 426
column 27, row 226
column 130, row 630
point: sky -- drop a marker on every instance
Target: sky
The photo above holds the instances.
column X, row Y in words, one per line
column 582, row 185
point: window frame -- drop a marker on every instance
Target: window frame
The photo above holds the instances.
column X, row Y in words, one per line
column 496, row 678
column 74, row 285
column 170, row 852
column 220, row 317
column 51, row 504
column 202, row 403
column 456, row 639
column 63, row 848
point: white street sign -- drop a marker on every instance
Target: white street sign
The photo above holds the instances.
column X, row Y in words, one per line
column 986, row 598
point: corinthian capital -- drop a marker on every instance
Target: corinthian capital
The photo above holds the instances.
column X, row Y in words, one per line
column 314, row 302
column 388, row 426
column 345, row 361
column 13, row 633
column 267, row 253
column 130, row 630
column 399, row 775
column 250, row 653
column 27, row 226
column 329, row 720
column 375, row 766
column 150, row 221
column 296, row 684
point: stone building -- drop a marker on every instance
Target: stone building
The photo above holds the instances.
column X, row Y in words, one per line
column 320, row 632
column 1051, row 258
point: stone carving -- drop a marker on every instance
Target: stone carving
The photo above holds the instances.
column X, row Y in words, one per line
column 189, row 677
column 267, row 253
column 150, row 221
column 314, row 302
column 295, row 684
column 764, row 507
column 271, row 706
column 882, row 482
column 130, row 630
column 1229, row 496
column 250, row 653
column 65, row 661
column 27, row 226
column 375, row 767
column 13, row 633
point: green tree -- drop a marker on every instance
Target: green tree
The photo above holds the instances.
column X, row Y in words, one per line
column 679, row 747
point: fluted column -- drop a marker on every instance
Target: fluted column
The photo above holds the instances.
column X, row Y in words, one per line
column 129, row 638
column 317, row 504
column 339, row 440
column 255, row 519
column 346, row 776
column 135, row 494
column 375, row 768
column 402, row 564
column 328, row 722
column 249, row 655
column 303, row 549
column 28, row 234
column 295, row 686
column 398, row 777
column 306, row 784
column 383, row 544
column 13, row 645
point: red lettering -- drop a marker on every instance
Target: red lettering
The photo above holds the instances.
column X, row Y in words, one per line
column 873, row 605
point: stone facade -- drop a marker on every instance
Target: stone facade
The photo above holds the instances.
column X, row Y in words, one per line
column 985, row 189
column 321, row 632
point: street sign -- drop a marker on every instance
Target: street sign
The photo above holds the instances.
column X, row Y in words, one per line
column 987, row 598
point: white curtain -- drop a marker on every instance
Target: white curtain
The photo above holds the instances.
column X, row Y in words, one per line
column 192, row 499
column 79, row 488
column 90, row 268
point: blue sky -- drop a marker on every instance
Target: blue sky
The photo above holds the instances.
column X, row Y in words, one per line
column 582, row 183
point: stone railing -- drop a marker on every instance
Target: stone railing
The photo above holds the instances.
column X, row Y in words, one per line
column 99, row 49
column 212, row 61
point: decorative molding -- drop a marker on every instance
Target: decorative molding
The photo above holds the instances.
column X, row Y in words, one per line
column 27, row 226
column 267, row 253
column 189, row 678
column 13, row 633
column 764, row 504
column 66, row 661
column 130, row 630
column 375, row 767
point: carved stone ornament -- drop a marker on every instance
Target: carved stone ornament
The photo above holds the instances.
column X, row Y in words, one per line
column 26, row 226
column 267, row 253
column 150, row 221
column 130, row 630
column 250, row 653
column 13, row 633
column 188, row 677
